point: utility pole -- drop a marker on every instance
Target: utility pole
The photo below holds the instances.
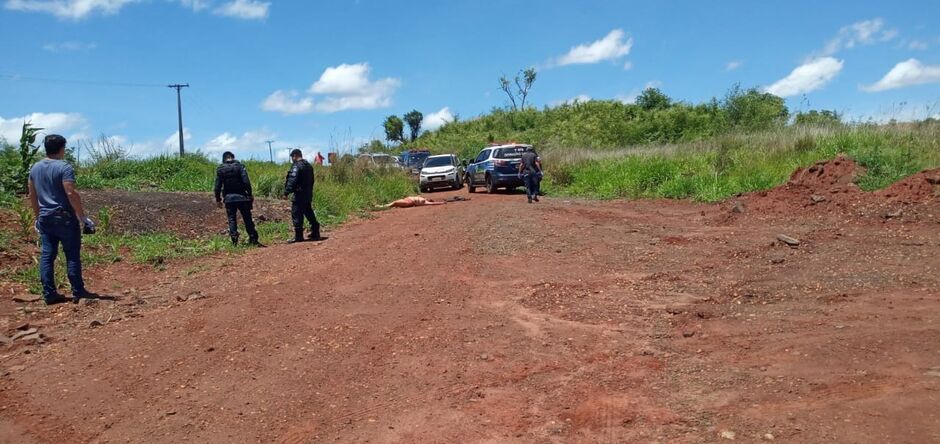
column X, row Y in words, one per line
column 179, row 112
column 270, row 152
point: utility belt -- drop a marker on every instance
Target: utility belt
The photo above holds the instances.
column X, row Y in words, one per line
column 60, row 212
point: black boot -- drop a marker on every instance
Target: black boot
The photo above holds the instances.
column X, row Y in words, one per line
column 315, row 234
column 234, row 240
column 253, row 241
column 298, row 236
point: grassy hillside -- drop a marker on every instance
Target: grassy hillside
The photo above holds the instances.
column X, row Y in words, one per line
column 659, row 148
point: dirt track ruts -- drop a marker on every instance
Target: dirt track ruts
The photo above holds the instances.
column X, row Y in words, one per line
column 494, row 321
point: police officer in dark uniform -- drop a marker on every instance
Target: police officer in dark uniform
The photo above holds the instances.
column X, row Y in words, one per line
column 300, row 183
column 233, row 188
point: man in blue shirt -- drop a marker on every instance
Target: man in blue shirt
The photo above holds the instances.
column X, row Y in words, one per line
column 60, row 218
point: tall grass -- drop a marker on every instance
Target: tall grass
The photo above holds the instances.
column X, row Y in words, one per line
column 724, row 166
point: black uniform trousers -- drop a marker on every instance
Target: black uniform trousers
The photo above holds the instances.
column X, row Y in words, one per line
column 231, row 210
column 301, row 208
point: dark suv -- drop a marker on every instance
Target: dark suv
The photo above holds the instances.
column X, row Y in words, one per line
column 497, row 166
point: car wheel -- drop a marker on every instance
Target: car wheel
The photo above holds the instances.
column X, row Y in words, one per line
column 470, row 187
column 458, row 184
column 490, row 184
column 423, row 189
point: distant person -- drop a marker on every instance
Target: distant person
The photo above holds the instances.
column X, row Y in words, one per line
column 60, row 218
column 233, row 189
column 530, row 168
column 300, row 183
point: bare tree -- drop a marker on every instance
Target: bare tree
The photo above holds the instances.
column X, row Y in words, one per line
column 523, row 83
column 506, row 86
column 528, row 78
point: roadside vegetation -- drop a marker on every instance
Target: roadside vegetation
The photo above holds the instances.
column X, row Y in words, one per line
column 342, row 190
column 657, row 147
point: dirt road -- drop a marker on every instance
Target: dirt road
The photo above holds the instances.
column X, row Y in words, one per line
column 497, row 321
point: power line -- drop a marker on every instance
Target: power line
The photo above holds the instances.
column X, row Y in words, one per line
column 17, row 77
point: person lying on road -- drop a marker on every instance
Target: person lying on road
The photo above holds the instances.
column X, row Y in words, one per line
column 412, row 201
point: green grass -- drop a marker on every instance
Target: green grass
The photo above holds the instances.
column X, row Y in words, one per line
column 155, row 249
column 737, row 163
column 341, row 190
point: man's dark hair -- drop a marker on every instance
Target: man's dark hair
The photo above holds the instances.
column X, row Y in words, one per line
column 228, row 155
column 54, row 143
column 296, row 153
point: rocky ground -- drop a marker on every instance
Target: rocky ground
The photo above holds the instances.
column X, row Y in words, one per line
column 492, row 320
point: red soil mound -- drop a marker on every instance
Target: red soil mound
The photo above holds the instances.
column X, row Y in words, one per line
column 828, row 187
column 837, row 175
column 921, row 187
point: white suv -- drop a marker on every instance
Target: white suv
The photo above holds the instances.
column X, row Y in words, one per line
column 441, row 171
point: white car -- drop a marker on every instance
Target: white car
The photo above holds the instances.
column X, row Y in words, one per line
column 441, row 171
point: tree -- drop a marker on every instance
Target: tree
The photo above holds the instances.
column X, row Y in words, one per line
column 528, row 78
column 754, row 110
column 394, row 129
column 506, row 86
column 413, row 119
column 523, row 84
column 27, row 154
column 818, row 118
column 652, row 99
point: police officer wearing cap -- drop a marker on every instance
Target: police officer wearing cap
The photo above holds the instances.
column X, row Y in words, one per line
column 233, row 189
column 300, row 183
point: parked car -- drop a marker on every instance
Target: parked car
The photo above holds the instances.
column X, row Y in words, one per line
column 497, row 166
column 441, row 171
column 413, row 160
column 379, row 160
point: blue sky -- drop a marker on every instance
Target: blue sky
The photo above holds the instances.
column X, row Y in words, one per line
column 323, row 75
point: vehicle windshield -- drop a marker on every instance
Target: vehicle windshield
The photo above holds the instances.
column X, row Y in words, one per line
column 417, row 159
column 385, row 160
column 438, row 162
column 509, row 153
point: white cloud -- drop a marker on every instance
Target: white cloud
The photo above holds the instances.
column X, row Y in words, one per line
column 52, row 123
column 436, row 120
column 613, row 46
column 339, row 88
column 69, row 9
column 917, row 45
column 349, row 87
column 860, row 33
column 173, row 142
column 247, row 145
column 733, row 65
column 70, row 46
column 244, row 9
column 807, row 77
column 287, row 102
column 80, row 9
column 907, row 73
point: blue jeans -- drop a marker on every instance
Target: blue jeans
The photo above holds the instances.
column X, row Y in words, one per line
column 532, row 185
column 60, row 228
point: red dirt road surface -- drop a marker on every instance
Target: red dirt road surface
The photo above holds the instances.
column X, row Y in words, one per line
column 496, row 321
